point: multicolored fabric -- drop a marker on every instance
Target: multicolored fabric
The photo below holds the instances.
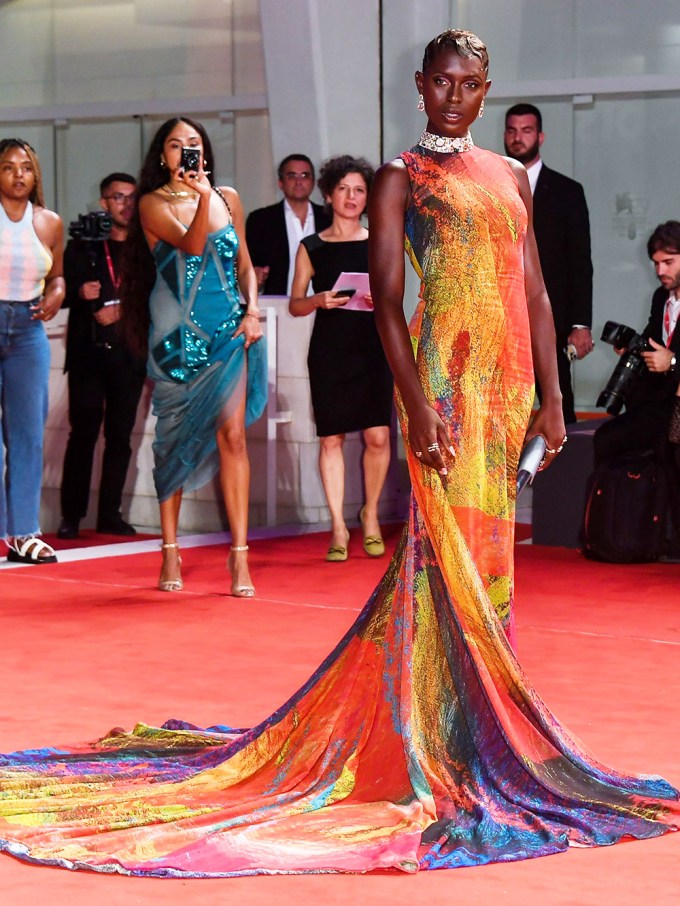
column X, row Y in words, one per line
column 418, row 743
column 198, row 367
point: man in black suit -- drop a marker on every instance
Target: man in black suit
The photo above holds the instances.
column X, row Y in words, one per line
column 649, row 404
column 104, row 379
column 273, row 233
column 562, row 231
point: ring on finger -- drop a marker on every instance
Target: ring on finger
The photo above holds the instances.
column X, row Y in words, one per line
column 419, row 453
column 552, row 452
column 433, row 447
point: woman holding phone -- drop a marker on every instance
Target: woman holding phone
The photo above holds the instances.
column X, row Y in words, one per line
column 350, row 379
column 187, row 262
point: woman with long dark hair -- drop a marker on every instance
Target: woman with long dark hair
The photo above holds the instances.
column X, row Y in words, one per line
column 187, row 261
column 31, row 293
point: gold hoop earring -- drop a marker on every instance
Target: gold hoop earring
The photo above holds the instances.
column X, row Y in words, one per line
column 481, row 109
column 421, row 102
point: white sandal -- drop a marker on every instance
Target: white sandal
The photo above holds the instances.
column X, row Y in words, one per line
column 28, row 548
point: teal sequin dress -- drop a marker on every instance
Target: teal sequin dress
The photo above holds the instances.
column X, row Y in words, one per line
column 200, row 371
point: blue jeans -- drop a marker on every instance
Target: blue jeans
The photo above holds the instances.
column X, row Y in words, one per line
column 24, row 377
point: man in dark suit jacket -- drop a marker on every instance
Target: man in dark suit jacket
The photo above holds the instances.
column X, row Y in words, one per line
column 562, row 231
column 649, row 404
column 274, row 233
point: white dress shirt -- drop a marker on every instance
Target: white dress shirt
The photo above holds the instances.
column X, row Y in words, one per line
column 672, row 309
column 532, row 173
column 296, row 233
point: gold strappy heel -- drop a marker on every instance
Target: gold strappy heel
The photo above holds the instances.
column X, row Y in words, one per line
column 239, row 591
column 171, row 584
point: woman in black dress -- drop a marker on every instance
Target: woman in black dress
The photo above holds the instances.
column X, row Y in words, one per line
column 350, row 379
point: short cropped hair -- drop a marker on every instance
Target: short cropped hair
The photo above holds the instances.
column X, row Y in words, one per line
column 525, row 110
column 464, row 43
column 665, row 238
column 115, row 177
column 334, row 170
column 286, row 160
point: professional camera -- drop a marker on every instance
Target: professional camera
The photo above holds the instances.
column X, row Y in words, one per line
column 630, row 365
column 93, row 227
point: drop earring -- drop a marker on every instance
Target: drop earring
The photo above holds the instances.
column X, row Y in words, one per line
column 481, row 109
column 421, row 102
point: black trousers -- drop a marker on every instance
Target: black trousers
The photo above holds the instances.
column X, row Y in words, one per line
column 105, row 389
column 564, row 378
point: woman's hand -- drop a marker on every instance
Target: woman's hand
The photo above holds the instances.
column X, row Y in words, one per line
column 549, row 423
column 429, row 439
column 329, row 299
column 250, row 328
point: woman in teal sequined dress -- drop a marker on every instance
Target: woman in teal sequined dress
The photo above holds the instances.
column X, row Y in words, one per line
column 206, row 356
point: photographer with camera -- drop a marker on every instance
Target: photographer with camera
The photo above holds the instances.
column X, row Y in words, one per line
column 104, row 379
column 649, row 396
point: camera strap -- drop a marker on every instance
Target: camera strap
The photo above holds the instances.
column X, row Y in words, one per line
column 115, row 280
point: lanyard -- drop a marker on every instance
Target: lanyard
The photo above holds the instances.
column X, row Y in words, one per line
column 667, row 321
column 112, row 273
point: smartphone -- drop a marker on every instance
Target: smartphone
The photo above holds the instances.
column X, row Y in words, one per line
column 344, row 294
column 191, row 159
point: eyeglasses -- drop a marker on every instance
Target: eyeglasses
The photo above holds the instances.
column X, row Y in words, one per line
column 291, row 177
column 121, row 197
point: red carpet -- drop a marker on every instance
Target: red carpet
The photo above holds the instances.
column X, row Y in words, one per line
column 91, row 645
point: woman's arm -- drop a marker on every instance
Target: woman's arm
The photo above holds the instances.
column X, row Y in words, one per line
column 389, row 197
column 247, row 279
column 50, row 230
column 549, row 420
column 300, row 303
column 160, row 222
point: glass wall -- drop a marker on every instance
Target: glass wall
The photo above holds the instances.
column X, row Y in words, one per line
column 87, row 82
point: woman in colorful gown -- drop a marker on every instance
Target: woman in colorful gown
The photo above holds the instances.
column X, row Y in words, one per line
column 350, row 379
column 419, row 743
column 205, row 356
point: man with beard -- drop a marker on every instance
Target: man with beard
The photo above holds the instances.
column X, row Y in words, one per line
column 562, row 231
column 104, row 380
column 650, row 400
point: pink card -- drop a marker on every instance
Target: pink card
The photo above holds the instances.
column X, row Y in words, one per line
column 359, row 283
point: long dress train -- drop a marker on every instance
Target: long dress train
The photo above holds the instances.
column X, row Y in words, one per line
column 419, row 742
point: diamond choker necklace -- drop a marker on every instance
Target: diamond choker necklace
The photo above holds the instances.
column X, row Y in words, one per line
column 444, row 144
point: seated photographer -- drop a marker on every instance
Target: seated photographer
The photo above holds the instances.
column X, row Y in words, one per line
column 650, row 398
column 104, row 379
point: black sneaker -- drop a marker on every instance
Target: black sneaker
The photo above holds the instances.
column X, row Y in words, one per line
column 68, row 529
column 116, row 525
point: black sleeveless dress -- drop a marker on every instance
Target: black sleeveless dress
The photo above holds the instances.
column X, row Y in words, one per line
column 350, row 379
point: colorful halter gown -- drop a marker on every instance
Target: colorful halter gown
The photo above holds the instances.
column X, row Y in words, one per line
column 198, row 367
column 418, row 743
